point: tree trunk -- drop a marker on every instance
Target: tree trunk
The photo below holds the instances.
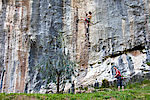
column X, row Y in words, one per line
column 58, row 76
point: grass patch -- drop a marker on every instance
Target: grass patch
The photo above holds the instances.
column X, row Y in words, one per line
column 106, row 97
column 136, row 91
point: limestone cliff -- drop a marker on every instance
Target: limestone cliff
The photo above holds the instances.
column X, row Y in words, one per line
column 119, row 33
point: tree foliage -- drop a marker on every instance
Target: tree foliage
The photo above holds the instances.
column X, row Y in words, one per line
column 57, row 67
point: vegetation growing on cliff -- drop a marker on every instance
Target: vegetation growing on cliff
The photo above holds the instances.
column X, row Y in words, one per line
column 57, row 68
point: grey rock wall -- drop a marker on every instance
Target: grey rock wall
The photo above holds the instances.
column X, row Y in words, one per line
column 15, row 24
column 2, row 39
column 121, row 26
column 46, row 23
column 117, row 27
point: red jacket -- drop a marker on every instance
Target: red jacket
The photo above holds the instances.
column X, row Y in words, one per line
column 118, row 72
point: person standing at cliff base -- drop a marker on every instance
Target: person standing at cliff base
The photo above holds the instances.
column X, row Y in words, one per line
column 73, row 87
column 119, row 79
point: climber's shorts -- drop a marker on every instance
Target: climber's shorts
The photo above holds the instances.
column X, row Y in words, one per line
column 87, row 20
column 119, row 81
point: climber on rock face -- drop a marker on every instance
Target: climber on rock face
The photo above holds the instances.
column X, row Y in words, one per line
column 88, row 18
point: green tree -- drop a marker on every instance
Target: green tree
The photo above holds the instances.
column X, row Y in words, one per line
column 57, row 67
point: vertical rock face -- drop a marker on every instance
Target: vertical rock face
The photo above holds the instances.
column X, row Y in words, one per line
column 29, row 28
column 117, row 27
column 46, row 23
column 2, row 38
column 118, row 33
column 15, row 28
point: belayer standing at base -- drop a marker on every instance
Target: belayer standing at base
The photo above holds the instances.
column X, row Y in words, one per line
column 119, row 79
